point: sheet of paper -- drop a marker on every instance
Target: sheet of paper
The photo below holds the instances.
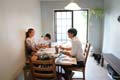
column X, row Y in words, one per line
column 64, row 59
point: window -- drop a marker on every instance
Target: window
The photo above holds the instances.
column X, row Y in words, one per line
column 65, row 19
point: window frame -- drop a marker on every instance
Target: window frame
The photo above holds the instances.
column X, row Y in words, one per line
column 72, row 11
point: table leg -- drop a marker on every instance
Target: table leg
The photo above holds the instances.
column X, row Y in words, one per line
column 59, row 72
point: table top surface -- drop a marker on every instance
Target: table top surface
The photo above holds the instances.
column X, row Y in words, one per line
column 60, row 58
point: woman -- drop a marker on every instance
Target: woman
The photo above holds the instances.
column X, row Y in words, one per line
column 30, row 43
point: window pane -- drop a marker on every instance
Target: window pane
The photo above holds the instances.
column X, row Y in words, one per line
column 59, row 22
column 64, row 36
column 69, row 15
column 59, row 29
column 58, row 36
column 59, row 15
column 68, row 27
column 64, row 15
column 68, row 22
column 64, row 22
column 64, row 30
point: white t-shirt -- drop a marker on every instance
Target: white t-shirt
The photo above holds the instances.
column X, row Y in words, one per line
column 31, row 42
column 77, row 50
column 43, row 41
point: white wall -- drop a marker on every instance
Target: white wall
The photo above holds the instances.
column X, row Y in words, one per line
column 95, row 24
column 15, row 17
column 95, row 31
column 112, row 27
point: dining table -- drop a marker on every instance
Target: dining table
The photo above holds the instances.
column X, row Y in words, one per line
column 60, row 58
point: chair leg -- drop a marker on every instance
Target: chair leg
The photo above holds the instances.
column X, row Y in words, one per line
column 83, row 74
column 25, row 75
column 70, row 76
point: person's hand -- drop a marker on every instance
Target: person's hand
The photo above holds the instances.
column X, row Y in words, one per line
column 61, row 47
column 67, row 53
column 34, row 58
column 37, row 48
column 34, row 49
column 64, row 48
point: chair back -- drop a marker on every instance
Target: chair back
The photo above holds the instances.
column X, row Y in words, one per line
column 86, row 51
column 43, row 69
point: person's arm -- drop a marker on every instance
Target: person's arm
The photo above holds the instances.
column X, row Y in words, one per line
column 29, row 45
column 67, row 53
column 61, row 47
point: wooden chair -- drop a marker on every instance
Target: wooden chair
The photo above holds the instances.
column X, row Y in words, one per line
column 82, row 69
column 43, row 69
column 26, row 69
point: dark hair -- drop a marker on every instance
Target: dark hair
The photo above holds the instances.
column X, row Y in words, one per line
column 48, row 35
column 29, row 31
column 72, row 31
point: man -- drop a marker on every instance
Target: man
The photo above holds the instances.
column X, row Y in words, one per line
column 76, row 51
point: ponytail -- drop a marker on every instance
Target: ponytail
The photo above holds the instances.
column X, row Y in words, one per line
column 27, row 35
column 29, row 31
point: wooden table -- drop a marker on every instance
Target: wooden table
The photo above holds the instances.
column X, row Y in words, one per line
column 60, row 58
